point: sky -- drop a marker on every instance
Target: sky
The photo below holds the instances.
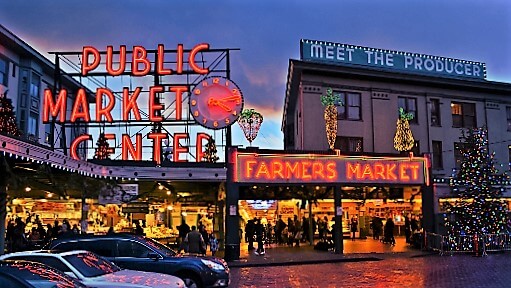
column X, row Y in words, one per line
column 268, row 34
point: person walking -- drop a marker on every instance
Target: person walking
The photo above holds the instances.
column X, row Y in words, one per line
column 290, row 232
column 259, row 233
column 249, row 233
column 213, row 244
column 353, row 227
column 408, row 229
column 279, row 228
column 183, row 229
column 305, row 228
column 298, row 231
column 194, row 242
column 388, row 232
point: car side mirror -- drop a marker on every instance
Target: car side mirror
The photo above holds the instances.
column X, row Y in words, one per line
column 153, row 256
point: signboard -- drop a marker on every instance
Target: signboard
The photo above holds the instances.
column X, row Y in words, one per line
column 136, row 207
column 122, row 193
column 344, row 54
column 311, row 168
column 216, row 103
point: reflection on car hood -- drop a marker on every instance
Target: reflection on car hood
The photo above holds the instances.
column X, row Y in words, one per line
column 149, row 279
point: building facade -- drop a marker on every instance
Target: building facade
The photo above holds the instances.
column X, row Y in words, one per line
column 374, row 86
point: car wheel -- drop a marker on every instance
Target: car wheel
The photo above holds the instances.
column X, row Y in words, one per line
column 191, row 281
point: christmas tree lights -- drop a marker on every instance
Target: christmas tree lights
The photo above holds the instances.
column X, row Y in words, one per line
column 7, row 118
column 330, row 115
column 210, row 152
column 103, row 149
column 403, row 140
column 479, row 208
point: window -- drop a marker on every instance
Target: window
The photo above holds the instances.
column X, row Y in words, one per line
column 32, row 124
column 508, row 116
column 105, row 248
column 410, row 106
column 133, row 249
column 351, row 108
column 4, row 71
column 435, row 112
column 48, row 260
column 437, row 155
column 416, row 149
column 349, row 144
column 463, row 115
column 47, row 133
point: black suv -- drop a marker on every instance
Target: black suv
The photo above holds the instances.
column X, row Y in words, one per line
column 144, row 254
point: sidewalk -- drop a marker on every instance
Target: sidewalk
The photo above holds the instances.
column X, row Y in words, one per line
column 354, row 251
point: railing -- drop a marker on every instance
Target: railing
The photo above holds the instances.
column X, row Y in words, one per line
column 479, row 245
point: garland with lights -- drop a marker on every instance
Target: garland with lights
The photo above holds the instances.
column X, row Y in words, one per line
column 103, row 149
column 7, row 117
column 210, row 152
column 403, row 140
column 330, row 100
column 479, row 208
column 250, row 122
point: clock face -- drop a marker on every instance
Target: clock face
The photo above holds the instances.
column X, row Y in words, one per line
column 216, row 102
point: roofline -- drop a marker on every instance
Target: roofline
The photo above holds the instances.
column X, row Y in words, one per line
column 296, row 67
column 22, row 45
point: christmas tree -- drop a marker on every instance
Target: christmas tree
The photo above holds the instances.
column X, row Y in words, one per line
column 7, row 118
column 478, row 186
column 103, row 149
column 210, row 152
column 403, row 140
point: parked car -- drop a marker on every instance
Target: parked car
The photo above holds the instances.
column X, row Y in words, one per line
column 95, row 271
column 26, row 274
column 141, row 253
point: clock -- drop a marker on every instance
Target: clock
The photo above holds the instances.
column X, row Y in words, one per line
column 216, row 102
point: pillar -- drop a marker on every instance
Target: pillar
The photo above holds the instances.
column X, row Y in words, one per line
column 338, row 237
column 232, row 222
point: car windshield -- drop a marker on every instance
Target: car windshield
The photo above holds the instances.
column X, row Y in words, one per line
column 91, row 265
column 160, row 247
column 40, row 275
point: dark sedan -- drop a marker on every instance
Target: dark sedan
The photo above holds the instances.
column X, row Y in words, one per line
column 144, row 254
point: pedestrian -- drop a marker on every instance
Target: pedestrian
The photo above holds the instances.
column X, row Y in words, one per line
column 49, row 234
column 321, row 228
column 194, row 241
column 388, row 232
column 183, row 230
column 326, row 231
column 279, row 228
column 249, row 233
column 408, row 229
column 259, row 233
column 290, row 232
column 213, row 244
column 205, row 236
column 9, row 236
column 75, row 230
column 138, row 229
column 298, row 231
column 305, row 229
column 353, row 227
column 19, row 240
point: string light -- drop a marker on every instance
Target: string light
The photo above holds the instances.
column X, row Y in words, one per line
column 479, row 208
column 403, row 140
column 330, row 100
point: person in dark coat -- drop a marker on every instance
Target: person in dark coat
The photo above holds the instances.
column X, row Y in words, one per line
column 353, row 227
column 194, row 241
column 279, row 227
column 389, row 232
column 408, row 229
column 305, row 228
column 249, row 233
column 183, row 229
column 259, row 233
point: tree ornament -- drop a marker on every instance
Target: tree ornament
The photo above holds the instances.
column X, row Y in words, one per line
column 403, row 140
column 250, row 122
column 330, row 100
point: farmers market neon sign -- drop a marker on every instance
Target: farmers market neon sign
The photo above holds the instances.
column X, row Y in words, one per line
column 311, row 168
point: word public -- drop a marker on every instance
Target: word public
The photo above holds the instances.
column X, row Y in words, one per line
column 55, row 106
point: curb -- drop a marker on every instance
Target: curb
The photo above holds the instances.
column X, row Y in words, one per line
column 293, row 263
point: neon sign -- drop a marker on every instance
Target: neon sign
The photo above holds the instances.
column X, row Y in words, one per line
column 136, row 63
column 264, row 168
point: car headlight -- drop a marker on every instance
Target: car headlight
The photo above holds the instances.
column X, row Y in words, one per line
column 213, row 265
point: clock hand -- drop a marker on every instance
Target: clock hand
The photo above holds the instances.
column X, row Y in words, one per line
column 216, row 102
column 231, row 98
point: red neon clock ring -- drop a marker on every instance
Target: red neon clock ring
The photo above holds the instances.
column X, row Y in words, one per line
column 216, row 102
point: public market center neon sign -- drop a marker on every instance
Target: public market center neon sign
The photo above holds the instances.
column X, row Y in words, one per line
column 311, row 168
column 138, row 65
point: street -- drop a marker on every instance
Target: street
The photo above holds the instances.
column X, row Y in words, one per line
column 394, row 270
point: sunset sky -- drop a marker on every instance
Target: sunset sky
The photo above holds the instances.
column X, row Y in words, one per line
column 268, row 34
